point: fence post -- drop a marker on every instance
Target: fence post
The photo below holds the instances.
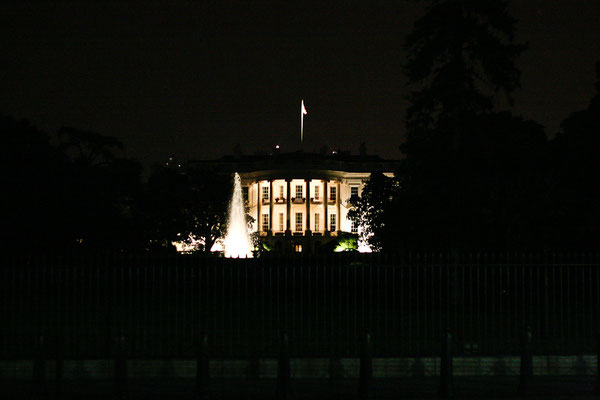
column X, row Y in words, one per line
column 366, row 366
column 203, row 369
column 39, row 364
column 445, row 389
column 335, row 367
column 526, row 369
column 283, row 367
column 120, row 367
column 59, row 368
column 598, row 365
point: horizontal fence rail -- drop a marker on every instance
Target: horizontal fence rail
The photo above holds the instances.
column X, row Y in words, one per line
column 162, row 305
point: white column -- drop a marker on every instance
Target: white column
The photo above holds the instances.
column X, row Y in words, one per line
column 258, row 216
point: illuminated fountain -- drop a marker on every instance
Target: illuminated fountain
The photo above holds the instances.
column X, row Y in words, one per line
column 237, row 241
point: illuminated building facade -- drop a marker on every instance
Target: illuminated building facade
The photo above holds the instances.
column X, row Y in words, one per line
column 300, row 201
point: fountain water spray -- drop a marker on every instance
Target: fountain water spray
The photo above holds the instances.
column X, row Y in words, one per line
column 237, row 240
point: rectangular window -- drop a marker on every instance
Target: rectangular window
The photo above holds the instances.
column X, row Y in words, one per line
column 298, row 248
column 317, row 222
column 265, row 222
column 353, row 191
column 298, row 191
column 281, row 221
column 245, row 192
column 332, row 222
column 281, row 192
column 332, row 193
column 265, row 192
column 353, row 227
column 317, row 192
column 298, row 222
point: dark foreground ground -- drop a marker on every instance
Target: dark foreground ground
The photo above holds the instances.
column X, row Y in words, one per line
column 409, row 388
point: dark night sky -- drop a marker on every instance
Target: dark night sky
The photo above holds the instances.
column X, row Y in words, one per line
column 195, row 78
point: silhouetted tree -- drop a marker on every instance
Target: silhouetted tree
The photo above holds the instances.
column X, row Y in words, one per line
column 88, row 148
column 576, row 211
column 31, row 174
column 101, row 190
column 371, row 211
column 208, row 212
column 461, row 54
column 163, row 218
column 473, row 178
column 502, row 166
column 184, row 203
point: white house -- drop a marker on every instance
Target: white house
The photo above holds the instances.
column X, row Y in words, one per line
column 301, row 200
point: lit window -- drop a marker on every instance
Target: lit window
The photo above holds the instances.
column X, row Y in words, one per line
column 317, row 222
column 353, row 227
column 281, row 221
column 265, row 192
column 332, row 222
column 281, row 191
column 298, row 222
column 298, row 191
column 332, row 193
column 353, row 191
column 265, row 222
column 298, row 248
column 317, row 192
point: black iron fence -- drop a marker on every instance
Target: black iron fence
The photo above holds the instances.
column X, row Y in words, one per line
column 162, row 304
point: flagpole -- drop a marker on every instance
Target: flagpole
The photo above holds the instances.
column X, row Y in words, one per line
column 302, row 113
column 302, row 123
